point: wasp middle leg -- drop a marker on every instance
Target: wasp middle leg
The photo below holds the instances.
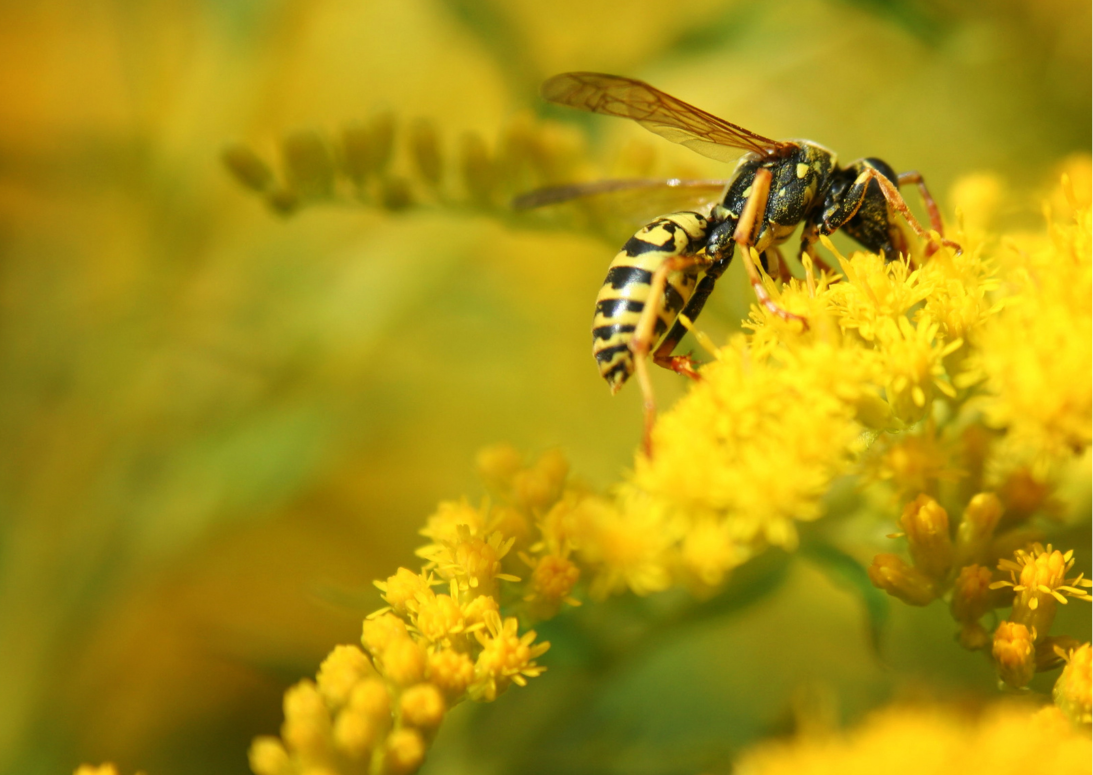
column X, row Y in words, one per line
column 744, row 236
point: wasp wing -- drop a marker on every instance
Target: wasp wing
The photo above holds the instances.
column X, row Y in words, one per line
column 615, row 209
column 696, row 189
column 660, row 113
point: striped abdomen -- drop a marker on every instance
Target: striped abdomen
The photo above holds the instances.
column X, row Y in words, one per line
column 626, row 290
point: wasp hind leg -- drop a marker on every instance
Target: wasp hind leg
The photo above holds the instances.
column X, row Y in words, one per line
column 646, row 334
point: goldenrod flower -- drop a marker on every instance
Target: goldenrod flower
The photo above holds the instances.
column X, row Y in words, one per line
column 926, row 525
column 340, row 672
column 422, row 706
column 1034, row 355
column 1074, row 689
column 402, row 661
column 307, row 726
column 267, row 756
column 405, row 751
column 553, row 577
column 776, row 428
column 1014, row 653
column 378, row 632
column 892, row 574
column 443, row 526
column 356, row 732
column 970, row 602
column 101, row 769
column 976, row 529
column 472, row 562
column 1039, row 579
column 888, row 384
column 506, row 657
column 452, row 671
column 912, row 358
column 402, row 590
column 625, row 543
column 1008, row 740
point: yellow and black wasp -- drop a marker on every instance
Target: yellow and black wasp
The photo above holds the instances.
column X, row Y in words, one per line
column 669, row 268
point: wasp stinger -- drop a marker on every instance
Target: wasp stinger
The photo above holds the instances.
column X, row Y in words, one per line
column 669, row 268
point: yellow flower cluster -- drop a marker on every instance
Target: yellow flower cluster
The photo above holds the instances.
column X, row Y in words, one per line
column 102, row 769
column 441, row 638
column 928, row 740
column 1022, row 414
column 756, row 444
column 907, row 378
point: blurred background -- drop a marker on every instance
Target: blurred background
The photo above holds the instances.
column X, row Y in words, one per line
column 219, row 425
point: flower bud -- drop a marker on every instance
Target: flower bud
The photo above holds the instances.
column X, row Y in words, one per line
column 355, row 733
column 890, row 573
column 1014, row 653
column 1072, row 691
column 422, row 706
column 976, row 530
column 247, row 167
column 309, row 165
column 405, row 751
column 497, row 464
column 971, row 594
column 926, row 524
column 340, row 672
column 425, row 148
column 268, row 756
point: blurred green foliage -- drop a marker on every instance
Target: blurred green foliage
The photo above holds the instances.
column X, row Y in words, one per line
column 219, row 426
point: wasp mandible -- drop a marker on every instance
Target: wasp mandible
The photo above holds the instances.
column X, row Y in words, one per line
column 669, row 268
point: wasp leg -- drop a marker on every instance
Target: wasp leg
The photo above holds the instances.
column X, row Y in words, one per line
column 684, row 364
column 775, row 262
column 745, row 237
column 808, row 245
column 895, row 199
column 915, row 177
column 645, row 335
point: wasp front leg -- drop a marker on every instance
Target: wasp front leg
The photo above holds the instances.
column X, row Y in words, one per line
column 854, row 199
column 915, row 177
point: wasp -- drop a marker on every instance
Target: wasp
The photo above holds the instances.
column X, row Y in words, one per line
column 666, row 272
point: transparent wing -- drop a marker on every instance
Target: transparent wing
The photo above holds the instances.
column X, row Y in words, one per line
column 660, row 113
column 615, row 209
column 699, row 190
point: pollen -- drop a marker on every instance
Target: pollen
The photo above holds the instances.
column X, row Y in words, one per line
column 802, row 170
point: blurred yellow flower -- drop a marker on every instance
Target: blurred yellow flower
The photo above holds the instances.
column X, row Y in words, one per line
column 1074, row 689
column 934, row 740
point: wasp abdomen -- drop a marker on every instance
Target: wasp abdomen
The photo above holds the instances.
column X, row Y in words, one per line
column 626, row 290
